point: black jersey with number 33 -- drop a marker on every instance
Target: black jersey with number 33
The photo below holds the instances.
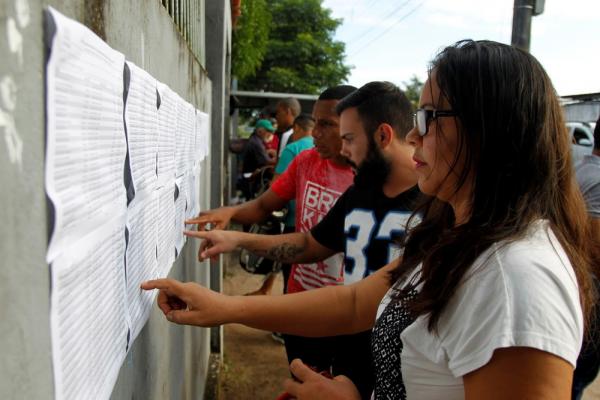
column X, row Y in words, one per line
column 365, row 224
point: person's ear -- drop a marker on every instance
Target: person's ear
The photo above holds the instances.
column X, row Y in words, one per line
column 384, row 135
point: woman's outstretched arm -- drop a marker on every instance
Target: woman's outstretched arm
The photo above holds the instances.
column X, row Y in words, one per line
column 321, row 312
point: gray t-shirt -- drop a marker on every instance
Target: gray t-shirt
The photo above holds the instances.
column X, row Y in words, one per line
column 588, row 177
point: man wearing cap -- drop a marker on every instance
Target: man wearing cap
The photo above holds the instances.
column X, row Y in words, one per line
column 255, row 155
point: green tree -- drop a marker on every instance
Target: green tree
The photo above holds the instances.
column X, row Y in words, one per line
column 413, row 89
column 301, row 55
column 250, row 38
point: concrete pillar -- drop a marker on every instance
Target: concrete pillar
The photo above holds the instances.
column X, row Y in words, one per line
column 218, row 45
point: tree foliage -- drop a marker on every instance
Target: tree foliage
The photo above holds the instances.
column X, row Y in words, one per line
column 301, row 55
column 413, row 89
column 250, row 38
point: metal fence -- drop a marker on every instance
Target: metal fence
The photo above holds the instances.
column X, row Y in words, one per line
column 188, row 17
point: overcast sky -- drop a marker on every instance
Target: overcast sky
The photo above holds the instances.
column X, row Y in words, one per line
column 395, row 39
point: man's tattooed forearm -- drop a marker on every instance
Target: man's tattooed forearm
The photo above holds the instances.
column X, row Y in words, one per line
column 285, row 252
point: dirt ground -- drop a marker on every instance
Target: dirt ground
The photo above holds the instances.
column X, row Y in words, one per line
column 593, row 391
column 255, row 365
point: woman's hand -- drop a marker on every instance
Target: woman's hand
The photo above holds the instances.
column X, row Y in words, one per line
column 311, row 385
column 190, row 303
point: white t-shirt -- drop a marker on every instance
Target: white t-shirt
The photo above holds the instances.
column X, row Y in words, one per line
column 522, row 293
column 285, row 137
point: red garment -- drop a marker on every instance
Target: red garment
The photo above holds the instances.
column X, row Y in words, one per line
column 315, row 184
column 273, row 144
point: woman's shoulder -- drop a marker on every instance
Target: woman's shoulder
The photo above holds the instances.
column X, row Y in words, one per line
column 518, row 293
column 520, row 261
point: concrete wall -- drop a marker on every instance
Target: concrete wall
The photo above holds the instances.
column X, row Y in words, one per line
column 166, row 361
column 587, row 111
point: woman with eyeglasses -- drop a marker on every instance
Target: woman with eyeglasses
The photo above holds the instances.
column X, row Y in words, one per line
column 490, row 298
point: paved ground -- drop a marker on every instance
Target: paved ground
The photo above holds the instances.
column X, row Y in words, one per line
column 256, row 365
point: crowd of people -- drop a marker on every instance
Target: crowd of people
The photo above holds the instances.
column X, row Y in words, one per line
column 447, row 252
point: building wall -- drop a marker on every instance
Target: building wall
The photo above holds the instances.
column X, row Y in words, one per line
column 586, row 111
column 166, row 361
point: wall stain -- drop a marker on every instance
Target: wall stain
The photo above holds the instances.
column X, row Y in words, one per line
column 94, row 17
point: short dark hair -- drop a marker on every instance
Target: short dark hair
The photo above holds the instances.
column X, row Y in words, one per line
column 337, row 92
column 305, row 122
column 378, row 103
column 597, row 135
column 291, row 104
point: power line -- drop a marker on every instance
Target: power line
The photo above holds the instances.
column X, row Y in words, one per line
column 394, row 12
column 389, row 28
column 371, row 3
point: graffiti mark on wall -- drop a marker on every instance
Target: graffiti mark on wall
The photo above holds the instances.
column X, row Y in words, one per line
column 13, row 141
column 23, row 13
column 8, row 93
column 8, row 87
column 15, row 39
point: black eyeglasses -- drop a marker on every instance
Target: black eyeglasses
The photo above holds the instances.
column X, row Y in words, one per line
column 422, row 118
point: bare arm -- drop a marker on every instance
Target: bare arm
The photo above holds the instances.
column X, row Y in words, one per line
column 250, row 212
column 520, row 373
column 288, row 248
column 320, row 312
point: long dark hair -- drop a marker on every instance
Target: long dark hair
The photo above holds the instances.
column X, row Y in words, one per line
column 511, row 134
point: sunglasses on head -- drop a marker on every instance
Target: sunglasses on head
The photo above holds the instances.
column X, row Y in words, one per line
column 423, row 117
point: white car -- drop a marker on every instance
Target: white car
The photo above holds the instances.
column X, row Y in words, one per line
column 582, row 137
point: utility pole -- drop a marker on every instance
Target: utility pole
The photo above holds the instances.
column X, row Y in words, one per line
column 521, row 28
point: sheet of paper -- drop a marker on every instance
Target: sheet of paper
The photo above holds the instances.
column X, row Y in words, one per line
column 192, row 195
column 184, row 137
column 166, row 228
column 141, row 118
column 85, row 137
column 202, row 135
column 180, row 205
column 167, row 125
column 87, row 314
column 141, row 257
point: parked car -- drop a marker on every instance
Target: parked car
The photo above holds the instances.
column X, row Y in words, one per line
column 582, row 137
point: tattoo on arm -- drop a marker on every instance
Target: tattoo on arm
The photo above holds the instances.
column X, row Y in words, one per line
column 285, row 252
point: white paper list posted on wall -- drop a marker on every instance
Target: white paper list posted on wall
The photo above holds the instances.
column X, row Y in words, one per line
column 184, row 137
column 167, row 125
column 141, row 119
column 85, row 136
column 192, row 194
column 141, row 257
column 93, row 268
column 166, row 228
column 180, row 206
column 88, row 322
column 202, row 136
